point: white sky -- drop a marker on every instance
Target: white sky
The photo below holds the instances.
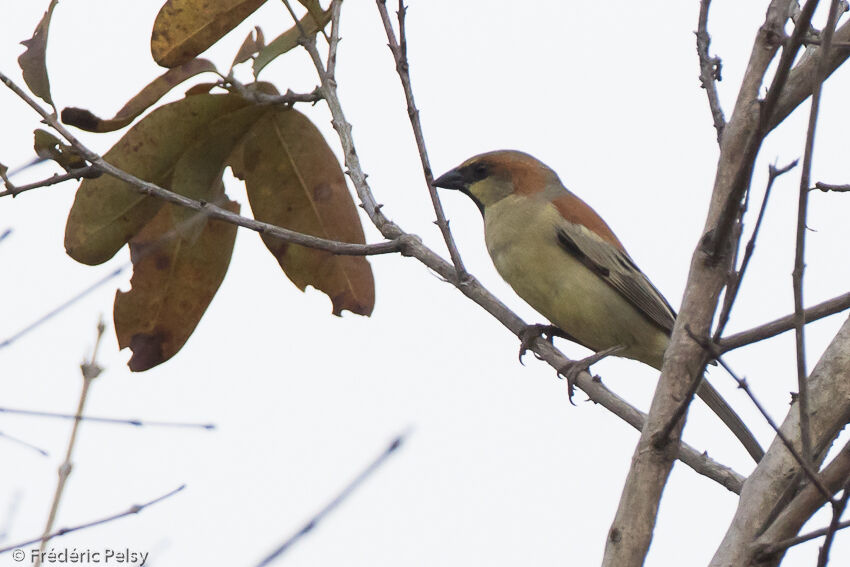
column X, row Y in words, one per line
column 499, row 469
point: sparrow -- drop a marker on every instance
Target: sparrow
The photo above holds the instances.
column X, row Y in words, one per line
column 565, row 261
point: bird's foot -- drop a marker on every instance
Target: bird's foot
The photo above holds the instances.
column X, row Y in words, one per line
column 534, row 332
column 571, row 370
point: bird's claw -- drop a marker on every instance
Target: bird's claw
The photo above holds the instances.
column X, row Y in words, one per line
column 534, row 332
column 571, row 370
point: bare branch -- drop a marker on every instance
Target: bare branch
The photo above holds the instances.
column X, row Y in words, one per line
column 337, row 500
column 399, row 51
column 806, row 501
column 768, row 488
column 783, row 324
column 709, row 69
column 134, row 509
column 632, row 528
column 90, row 370
column 88, row 171
column 113, row 420
column 735, row 284
column 23, row 443
column 799, row 259
column 829, row 187
column 333, row 43
column 802, row 460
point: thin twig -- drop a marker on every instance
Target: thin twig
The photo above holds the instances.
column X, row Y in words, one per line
column 804, row 463
column 89, row 370
column 399, row 51
column 729, row 214
column 837, row 510
column 289, row 98
column 53, row 180
column 783, row 324
column 662, row 437
column 830, row 187
column 337, row 500
column 333, row 42
column 352, row 162
column 134, row 509
column 775, row 548
column 709, row 69
column 735, row 284
column 53, row 312
column 113, row 420
column 799, row 260
column 23, row 443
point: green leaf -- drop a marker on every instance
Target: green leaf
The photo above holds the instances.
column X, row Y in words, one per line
column 289, row 40
column 252, row 44
column 185, row 28
column 152, row 92
column 197, row 174
column 107, row 212
column 173, row 283
column 48, row 146
column 294, row 180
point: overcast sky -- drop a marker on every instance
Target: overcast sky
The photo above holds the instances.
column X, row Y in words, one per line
column 499, row 469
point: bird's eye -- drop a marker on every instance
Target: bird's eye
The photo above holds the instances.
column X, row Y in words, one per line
column 479, row 172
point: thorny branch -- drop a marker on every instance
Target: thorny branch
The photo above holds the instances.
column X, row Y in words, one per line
column 710, row 69
column 480, row 295
column 799, row 260
column 399, row 51
column 737, row 277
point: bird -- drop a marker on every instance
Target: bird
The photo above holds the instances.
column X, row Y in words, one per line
column 559, row 256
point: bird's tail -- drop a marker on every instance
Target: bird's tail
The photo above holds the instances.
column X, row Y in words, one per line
column 718, row 405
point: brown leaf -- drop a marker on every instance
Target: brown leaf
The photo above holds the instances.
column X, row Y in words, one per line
column 252, row 44
column 294, row 180
column 185, row 28
column 152, row 92
column 289, row 40
column 173, row 283
column 32, row 61
column 107, row 212
column 200, row 88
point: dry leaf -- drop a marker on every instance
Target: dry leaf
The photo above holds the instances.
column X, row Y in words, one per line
column 173, row 283
column 294, row 180
column 186, row 28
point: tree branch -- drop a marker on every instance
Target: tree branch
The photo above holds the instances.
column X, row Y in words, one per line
column 402, row 66
column 134, row 509
column 88, row 171
column 777, row 475
column 709, row 69
column 783, row 324
column 632, row 528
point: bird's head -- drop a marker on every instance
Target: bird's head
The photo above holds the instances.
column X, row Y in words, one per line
column 490, row 177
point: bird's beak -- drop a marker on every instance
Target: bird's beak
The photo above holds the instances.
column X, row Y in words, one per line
column 451, row 180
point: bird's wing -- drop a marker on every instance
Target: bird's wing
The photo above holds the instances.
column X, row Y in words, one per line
column 617, row 269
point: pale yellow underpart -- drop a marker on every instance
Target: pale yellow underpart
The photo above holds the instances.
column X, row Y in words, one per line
column 521, row 236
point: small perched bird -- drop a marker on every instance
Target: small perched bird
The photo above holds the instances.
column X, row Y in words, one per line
column 564, row 260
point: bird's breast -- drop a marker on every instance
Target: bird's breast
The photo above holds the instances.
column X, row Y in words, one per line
column 521, row 237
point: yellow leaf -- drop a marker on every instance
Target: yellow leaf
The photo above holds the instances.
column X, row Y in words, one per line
column 185, row 28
